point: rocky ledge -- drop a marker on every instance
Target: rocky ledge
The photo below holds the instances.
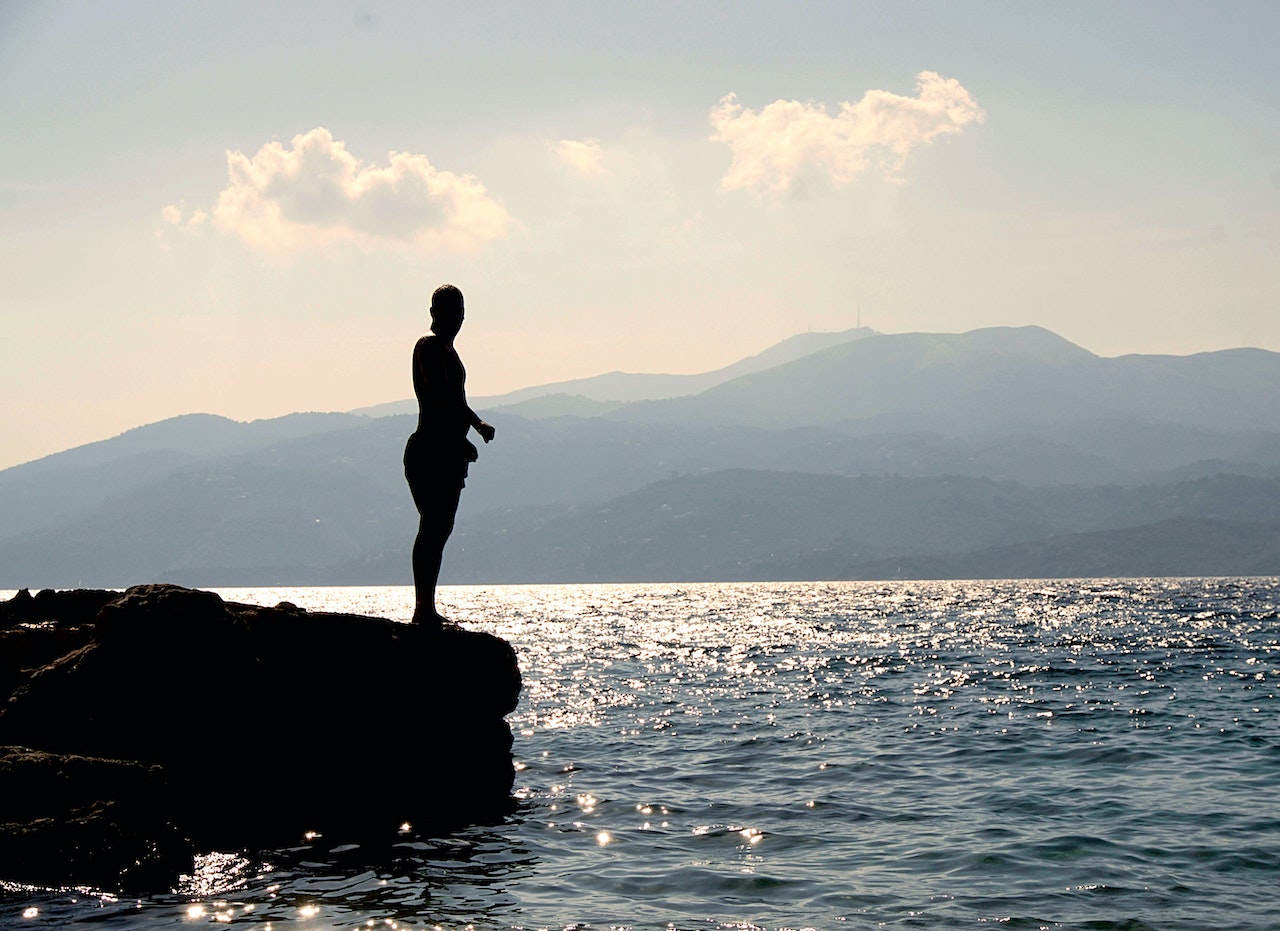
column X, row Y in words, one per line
column 139, row 728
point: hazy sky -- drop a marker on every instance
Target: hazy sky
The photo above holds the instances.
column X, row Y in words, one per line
column 242, row 208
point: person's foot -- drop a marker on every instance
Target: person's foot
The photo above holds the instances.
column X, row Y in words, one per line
column 432, row 619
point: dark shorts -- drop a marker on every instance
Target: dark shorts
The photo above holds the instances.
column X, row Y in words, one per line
column 431, row 475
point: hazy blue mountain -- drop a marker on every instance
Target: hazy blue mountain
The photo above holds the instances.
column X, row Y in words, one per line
column 1009, row 435
column 190, row 435
column 245, row 522
column 242, row 520
column 53, row 488
column 556, row 405
column 1183, row 547
column 1005, row 380
column 745, row 525
column 633, row 386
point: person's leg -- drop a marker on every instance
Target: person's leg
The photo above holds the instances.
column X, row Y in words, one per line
column 437, row 509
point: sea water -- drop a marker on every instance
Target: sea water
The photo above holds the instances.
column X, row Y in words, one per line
column 1058, row 754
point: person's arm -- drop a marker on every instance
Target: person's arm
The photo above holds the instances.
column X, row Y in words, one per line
column 485, row 430
column 471, row 417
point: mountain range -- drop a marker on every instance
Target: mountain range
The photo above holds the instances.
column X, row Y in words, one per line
column 613, row 388
column 998, row 452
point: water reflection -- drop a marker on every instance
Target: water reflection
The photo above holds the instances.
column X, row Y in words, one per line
column 401, row 882
column 906, row 755
column 408, row 881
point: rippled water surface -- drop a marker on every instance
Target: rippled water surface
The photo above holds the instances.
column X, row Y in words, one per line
column 1067, row 754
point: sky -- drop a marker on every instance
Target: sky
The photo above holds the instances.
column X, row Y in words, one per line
column 242, row 208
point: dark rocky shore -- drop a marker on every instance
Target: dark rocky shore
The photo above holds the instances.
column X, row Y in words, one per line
column 139, row 728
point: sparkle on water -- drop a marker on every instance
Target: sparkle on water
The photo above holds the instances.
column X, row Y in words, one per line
column 1067, row 754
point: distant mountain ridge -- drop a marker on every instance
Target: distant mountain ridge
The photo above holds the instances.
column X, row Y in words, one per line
column 191, row 435
column 37, row 493
column 238, row 526
column 1179, row 546
column 1004, row 378
column 628, row 386
column 747, row 525
column 950, row 451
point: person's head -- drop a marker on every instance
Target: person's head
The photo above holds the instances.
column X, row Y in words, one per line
column 446, row 311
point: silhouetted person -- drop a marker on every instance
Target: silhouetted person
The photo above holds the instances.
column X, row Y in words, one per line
column 438, row 452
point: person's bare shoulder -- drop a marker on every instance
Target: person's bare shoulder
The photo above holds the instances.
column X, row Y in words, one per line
column 426, row 348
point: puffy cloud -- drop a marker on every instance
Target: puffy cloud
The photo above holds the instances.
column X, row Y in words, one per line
column 585, row 155
column 175, row 219
column 770, row 147
column 177, row 216
column 316, row 193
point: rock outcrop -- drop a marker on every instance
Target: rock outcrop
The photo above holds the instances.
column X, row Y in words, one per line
column 137, row 728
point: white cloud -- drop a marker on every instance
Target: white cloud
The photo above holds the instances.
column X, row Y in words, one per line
column 178, row 216
column 177, row 219
column 315, row 193
column 770, row 147
column 585, row 155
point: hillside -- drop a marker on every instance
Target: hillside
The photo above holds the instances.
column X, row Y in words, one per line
column 613, row 388
column 1180, row 547
column 743, row 525
column 1007, row 380
column 59, row 487
column 880, row 448
column 255, row 525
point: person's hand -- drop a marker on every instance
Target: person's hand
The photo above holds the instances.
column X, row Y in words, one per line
column 486, row 431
